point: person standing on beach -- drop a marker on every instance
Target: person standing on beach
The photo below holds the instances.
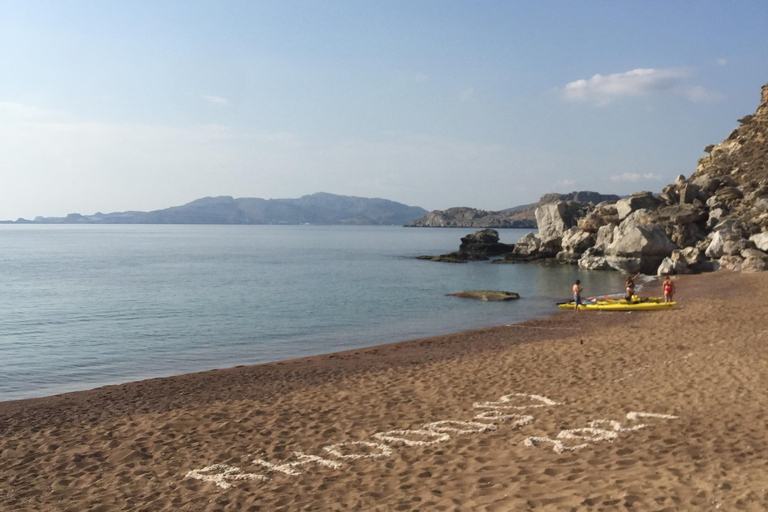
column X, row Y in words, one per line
column 576, row 296
column 668, row 287
column 631, row 286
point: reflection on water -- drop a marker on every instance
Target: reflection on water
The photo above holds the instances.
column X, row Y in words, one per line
column 85, row 306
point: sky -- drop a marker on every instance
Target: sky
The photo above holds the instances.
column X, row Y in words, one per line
column 142, row 105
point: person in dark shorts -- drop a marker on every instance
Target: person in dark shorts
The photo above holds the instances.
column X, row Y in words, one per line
column 631, row 286
column 576, row 296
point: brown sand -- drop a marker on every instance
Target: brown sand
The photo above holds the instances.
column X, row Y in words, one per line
column 130, row 447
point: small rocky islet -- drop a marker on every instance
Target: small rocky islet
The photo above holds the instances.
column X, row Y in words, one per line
column 716, row 218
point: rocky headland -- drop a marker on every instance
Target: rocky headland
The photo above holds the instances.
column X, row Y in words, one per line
column 718, row 217
column 523, row 217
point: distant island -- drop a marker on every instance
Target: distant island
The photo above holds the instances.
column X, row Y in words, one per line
column 516, row 217
column 321, row 208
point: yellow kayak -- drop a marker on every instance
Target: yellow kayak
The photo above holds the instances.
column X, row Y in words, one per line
column 636, row 304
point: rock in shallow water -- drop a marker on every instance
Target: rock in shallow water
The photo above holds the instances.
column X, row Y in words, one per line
column 487, row 295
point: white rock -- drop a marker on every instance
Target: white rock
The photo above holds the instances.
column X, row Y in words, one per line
column 576, row 240
column 668, row 267
column 760, row 241
column 591, row 260
column 604, row 237
column 551, row 221
column 715, row 249
column 650, row 240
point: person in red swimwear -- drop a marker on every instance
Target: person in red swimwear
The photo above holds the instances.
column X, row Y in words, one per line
column 668, row 287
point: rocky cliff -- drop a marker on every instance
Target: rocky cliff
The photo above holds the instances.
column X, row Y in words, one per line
column 524, row 217
column 718, row 217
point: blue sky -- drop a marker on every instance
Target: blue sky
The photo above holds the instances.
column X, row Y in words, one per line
column 112, row 106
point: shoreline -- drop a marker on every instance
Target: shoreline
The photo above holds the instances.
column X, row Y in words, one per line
column 331, row 364
column 292, row 361
column 699, row 371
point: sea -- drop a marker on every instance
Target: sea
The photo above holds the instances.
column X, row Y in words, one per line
column 82, row 306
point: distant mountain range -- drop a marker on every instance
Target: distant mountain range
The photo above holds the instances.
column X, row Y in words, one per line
column 517, row 217
column 323, row 209
column 320, row 208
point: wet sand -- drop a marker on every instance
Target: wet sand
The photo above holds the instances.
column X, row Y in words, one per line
column 532, row 416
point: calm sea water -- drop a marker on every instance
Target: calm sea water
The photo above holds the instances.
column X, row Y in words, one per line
column 84, row 306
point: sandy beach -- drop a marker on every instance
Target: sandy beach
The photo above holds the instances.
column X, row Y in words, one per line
column 656, row 411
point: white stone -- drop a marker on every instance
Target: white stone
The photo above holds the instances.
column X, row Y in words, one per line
column 760, row 241
column 604, row 236
column 551, row 221
column 715, row 249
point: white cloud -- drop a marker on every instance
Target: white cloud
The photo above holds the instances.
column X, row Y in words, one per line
column 604, row 89
column 634, row 177
column 217, row 100
column 721, row 61
column 565, row 183
column 467, row 94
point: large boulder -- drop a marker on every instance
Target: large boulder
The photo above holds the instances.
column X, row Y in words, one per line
column 691, row 256
column 604, row 237
column 648, row 239
column 574, row 243
column 604, row 213
column 576, row 240
column 635, row 202
column 730, row 229
column 554, row 219
column 669, row 266
column 481, row 244
column 639, row 247
column 551, row 221
column 527, row 245
column 593, row 259
column 631, row 264
column 567, row 257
